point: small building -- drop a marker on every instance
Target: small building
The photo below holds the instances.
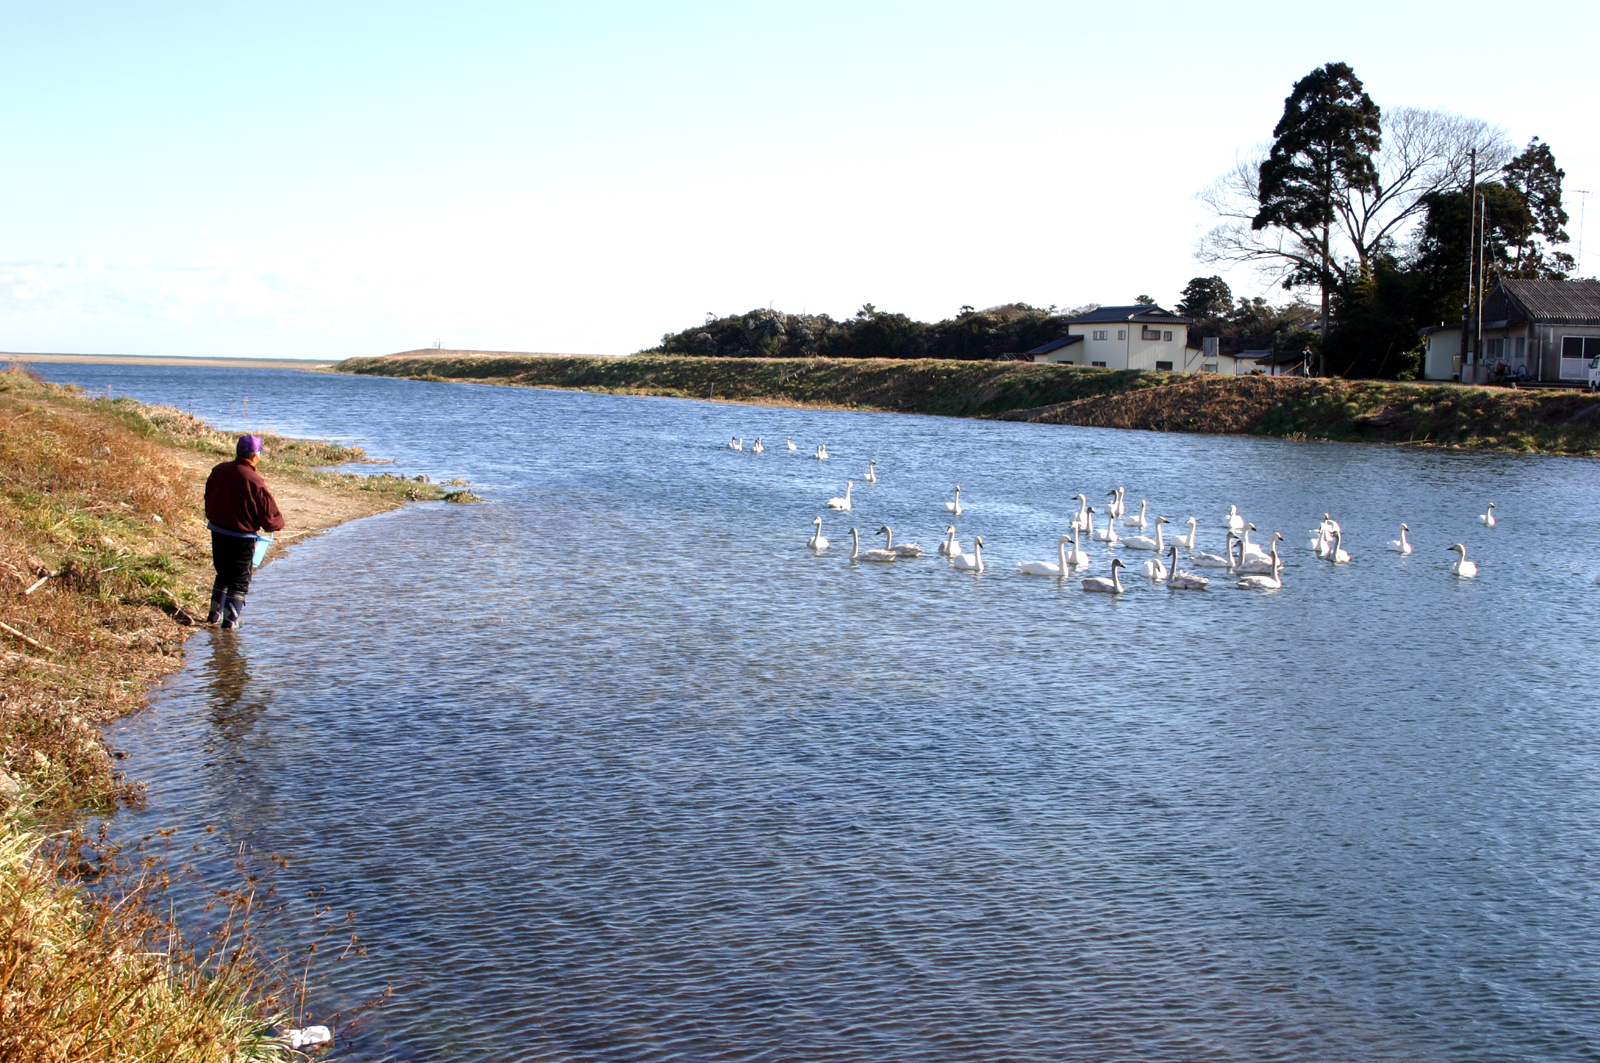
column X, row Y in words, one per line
column 1125, row 337
column 1546, row 330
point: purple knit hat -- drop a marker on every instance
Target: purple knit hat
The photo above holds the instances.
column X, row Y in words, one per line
column 247, row 446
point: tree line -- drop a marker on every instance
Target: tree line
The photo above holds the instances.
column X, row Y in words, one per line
column 1372, row 209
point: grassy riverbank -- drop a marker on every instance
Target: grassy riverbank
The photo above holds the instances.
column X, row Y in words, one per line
column 104, row 568
column 1290, row 407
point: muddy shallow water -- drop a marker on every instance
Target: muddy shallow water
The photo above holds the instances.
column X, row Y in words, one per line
column 613, row 769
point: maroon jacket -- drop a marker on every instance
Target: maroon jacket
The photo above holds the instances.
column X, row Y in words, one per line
column 237, row 500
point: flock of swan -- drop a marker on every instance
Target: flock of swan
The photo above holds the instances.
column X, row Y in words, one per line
column 1249, row 565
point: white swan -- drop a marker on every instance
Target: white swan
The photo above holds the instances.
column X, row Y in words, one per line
column 1138, row 520
column 1261, row 562
column 1184, row 581
column 817, row 542
column 1119, row 501
column 790, row 440
column 1205, row 560
column 955, row 507
column 1076, row 557
column 1155, row 568
column 872, row 472
column 1189, row 541
column 972, row 562
column 1109, row 536
column 757, row 447
column 1488, row 517
column 1045, row 568
column 1271, row 582
column 1081, row 521
column 858, row 554
column 844, row 502
column 1233, row 522
column 1107, row 586
column 1321, row 541
column 950, row 547
column 1248, row 550
column 737, row 444
column 1337, row 553
column 904, row 549
column 822, row 453
column 1144, row 542
column 1463, row 568
column 1401, row 545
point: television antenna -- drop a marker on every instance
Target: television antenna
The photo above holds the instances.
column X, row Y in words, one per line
column 1583, row 209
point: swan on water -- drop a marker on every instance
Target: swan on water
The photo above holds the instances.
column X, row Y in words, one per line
column 842, row 502
column 1184, row 581
column 1107, row 586
column 1076, row 557
column 1249, row 551
column 1401, row 545
column 1046, row 568
column 1488, row 517
column 1138, row 520
column 950, row 547
column 1081, row 521
column 972, row 562
column 1144, row 542
column 858, row 554
column 1109, row 535
column 1205, row 560
column 1233, row 521
column 1463, row 567
column 872, row 472
column 822, row 452
column 1337, row 553
column 904, row 549
column 817, row 542
column 737, row 444
column 1269, row 582
column 955, row 507
column 1119, row 502
column 1261, row 562
column 1155, row 568
column 1188, row 541
column 790, row 440
column 757, row 447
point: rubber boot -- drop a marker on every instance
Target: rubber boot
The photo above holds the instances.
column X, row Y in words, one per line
column 219, row 592
column 232, row 606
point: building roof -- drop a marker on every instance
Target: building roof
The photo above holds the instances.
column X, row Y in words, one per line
column 1137, row 312
column 1055, row 345
column 1547, row 302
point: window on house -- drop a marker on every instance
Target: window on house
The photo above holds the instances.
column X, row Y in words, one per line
column 1494, row 348
column 1522, row 346
column 1102, row 365
column 1164, row 366
column 1166, row 337
column 1122, row 333
column 1149, row 334
column 1100, row 334
column 1208, row 367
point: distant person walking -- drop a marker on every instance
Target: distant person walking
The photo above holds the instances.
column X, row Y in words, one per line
column 238, row 505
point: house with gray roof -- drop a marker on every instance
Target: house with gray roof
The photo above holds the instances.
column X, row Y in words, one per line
column 1545, row 330
column 1142, row 336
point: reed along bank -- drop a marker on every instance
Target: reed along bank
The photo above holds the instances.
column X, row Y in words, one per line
column 1366, row 411
column 104, row 568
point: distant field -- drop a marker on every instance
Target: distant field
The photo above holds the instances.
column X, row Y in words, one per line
column 142, row 359
column 1372, row 411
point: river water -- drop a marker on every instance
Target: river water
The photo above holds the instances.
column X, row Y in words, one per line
column 612, row 768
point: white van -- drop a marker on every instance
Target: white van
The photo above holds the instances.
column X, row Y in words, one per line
column 1594, row 374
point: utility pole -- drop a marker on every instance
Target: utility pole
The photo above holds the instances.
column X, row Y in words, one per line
column 1472, row 260
column 1583, row 208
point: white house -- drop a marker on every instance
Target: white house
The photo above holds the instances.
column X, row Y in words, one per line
column 1128, row 337
column 1535, row 329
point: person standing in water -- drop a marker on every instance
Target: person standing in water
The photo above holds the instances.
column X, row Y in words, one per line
column 238, row 505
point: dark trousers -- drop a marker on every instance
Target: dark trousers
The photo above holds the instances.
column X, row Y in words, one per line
column 231, row 557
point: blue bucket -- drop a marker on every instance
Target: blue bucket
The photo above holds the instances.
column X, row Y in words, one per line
column 263, row 544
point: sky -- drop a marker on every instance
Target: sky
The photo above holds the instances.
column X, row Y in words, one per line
column 328, row 180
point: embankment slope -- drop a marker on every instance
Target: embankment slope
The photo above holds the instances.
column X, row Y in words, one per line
column 1290, row 407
